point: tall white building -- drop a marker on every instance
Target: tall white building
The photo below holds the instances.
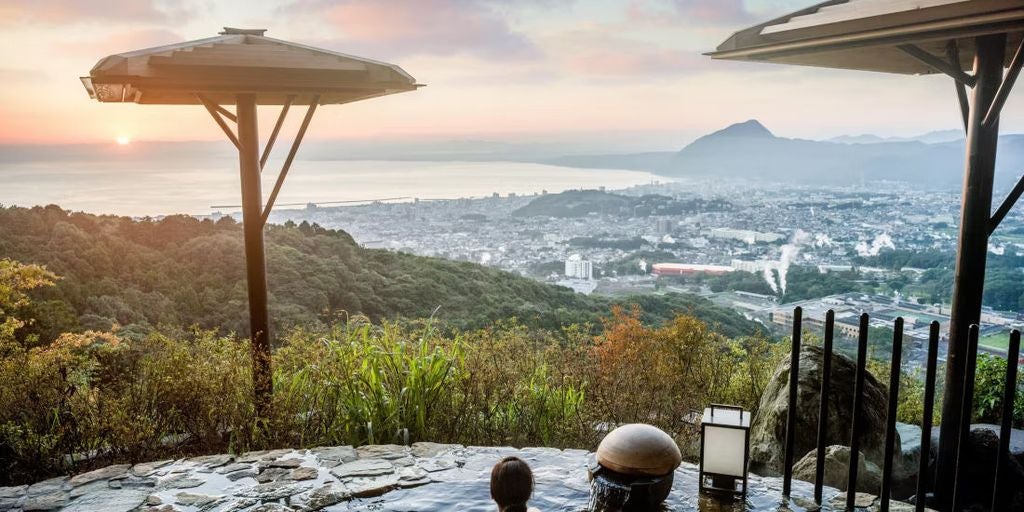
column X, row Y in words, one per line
column 578, row 268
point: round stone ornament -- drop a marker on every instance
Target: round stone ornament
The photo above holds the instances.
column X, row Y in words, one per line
column 639, row 449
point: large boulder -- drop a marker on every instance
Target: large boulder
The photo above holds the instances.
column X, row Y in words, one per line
column 768, row 432
column 983, row 444
column 837, row 472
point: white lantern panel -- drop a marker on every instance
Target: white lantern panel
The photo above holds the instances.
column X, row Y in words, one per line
column 723, row 451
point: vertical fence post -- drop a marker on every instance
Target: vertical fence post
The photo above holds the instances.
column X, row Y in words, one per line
column 895, row 364
column 826, row 383
column 926, row 419
column 858, row 406
column 967, row 409
column 1009, row 397
column 794, row 371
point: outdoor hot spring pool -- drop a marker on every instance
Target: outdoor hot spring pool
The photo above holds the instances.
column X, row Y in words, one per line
column 425, row 477
column 561, row 485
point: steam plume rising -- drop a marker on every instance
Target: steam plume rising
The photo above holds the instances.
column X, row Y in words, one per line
column 769, row 278
column 881, row 241
column 788, row 253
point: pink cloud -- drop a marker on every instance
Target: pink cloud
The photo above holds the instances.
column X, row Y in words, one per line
column 120, row 42
column 14, row 12
column 715, row 12
column 634, row 61
column 423, row 27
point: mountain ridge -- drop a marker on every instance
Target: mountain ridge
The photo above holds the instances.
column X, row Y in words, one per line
column 749, row 150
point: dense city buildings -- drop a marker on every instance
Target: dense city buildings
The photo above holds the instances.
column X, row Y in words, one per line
column 665, row 237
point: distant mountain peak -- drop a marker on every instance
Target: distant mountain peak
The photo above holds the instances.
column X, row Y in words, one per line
column 748, row 129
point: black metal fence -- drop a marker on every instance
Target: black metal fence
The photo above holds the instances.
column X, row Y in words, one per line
column 923, row 480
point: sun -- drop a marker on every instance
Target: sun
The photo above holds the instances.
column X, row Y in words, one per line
column 123, row 140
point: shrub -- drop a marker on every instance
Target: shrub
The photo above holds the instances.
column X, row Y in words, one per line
column 989, row 385
column 93, row 396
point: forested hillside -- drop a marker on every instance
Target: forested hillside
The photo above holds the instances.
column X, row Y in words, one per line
column 181, row 271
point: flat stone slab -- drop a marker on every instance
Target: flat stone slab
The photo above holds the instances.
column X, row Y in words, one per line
column 115, row 471
column 13, row 492
column 194, row 499
column 330, row 456
column 212, row 461
column 182, row 480
column 272, row 475
column 287, row 463
column 363, row 467
column 148, row 468
column 13, row 497
column 47, row 495
column 329, row 494
column 425, row 449
column 273, row 491
column 245, row 473
column 112, row 500
column 368, row 487
column 304, row 473
column 382, row 451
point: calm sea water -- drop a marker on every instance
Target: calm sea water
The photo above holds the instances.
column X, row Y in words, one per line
column 138, row 188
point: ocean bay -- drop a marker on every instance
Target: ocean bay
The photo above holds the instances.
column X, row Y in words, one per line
column 139, row 188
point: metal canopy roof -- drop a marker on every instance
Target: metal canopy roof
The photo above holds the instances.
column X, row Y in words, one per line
column 241, row 61
column 872, row 35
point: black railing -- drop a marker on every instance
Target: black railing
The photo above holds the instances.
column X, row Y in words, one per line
column 926, row 417
column 1009, row 397
column 896, row 362
column 826, row 379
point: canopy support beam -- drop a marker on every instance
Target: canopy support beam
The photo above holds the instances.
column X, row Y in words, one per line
column 288, row 161
column 1006, row 86
column 255, row 257
column 226, row 113
column 277, row 129
column 1004, row 208
column 938, row 64
column 969, row 278
column 212, row 108
column 953, row 51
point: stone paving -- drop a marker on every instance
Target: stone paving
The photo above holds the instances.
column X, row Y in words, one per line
column 372, row 477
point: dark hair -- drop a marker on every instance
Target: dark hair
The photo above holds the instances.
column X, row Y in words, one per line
column 511, row 484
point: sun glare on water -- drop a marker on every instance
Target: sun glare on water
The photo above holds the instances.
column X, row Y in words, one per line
column 123, row 140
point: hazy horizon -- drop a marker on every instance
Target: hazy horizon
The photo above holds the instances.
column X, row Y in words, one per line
column 611, row 143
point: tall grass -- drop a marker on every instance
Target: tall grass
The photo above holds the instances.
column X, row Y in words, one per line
column 361, row 383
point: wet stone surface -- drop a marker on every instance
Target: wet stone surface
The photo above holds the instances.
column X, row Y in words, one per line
column 424, row 477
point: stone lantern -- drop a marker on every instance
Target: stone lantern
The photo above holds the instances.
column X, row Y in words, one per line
column 724, row 450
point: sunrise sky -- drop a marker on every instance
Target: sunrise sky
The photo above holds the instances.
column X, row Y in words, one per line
column 624, row 74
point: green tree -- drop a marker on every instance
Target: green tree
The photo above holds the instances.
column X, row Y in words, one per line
column 16, row 280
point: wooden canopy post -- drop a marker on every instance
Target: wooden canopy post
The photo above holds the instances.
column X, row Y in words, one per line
column 255, row 257
column 968, row 283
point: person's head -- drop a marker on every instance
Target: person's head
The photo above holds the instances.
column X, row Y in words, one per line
column 511, row 484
